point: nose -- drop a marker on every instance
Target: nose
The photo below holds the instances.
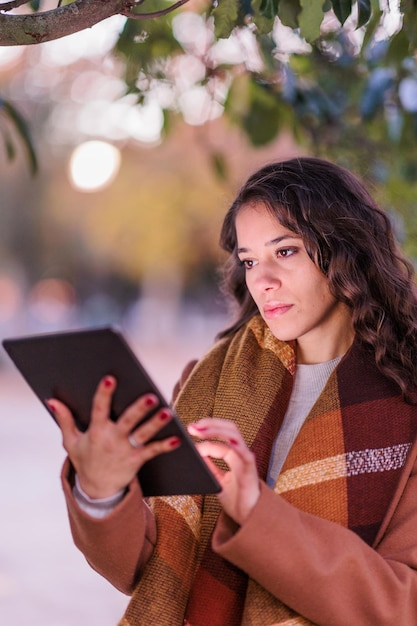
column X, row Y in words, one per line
column 264, row 277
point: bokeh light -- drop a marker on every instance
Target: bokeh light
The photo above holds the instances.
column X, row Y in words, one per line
column 94, row 165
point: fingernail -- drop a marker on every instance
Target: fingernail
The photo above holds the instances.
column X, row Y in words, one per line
column 108, row 382
column 199, row 427
column 164, row 415
column 150, row 401
column 51, row 405
column 234, row 442
column 174, row 442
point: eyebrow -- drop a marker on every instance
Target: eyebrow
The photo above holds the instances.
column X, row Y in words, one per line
column 272, row 242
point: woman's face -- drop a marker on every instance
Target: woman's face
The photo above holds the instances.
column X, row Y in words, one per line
column 291, row 293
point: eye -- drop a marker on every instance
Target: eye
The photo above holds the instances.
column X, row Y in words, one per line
column 247, row 263
column 285, row 252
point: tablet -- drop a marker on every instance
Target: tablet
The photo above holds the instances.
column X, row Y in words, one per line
column 69, row 365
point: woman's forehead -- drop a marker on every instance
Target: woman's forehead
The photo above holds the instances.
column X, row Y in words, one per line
column 257, row 222
column 277, row 214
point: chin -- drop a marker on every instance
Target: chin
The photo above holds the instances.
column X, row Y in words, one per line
column 280, row 334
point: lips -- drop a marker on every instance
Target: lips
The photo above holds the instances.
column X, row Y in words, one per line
column 275, row 309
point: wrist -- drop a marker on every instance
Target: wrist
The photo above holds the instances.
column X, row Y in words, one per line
column 96, row 508
column 250, row 504
column 94, row 494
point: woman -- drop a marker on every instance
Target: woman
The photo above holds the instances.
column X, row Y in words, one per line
column 311, row 432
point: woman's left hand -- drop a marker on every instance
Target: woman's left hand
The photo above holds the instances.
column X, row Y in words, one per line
column 240, row 485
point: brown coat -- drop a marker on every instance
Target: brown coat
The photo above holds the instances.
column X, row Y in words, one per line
column 320, row 568
column 382, row 591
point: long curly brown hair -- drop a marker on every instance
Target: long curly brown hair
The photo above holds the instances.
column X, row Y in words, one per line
column 351, row 240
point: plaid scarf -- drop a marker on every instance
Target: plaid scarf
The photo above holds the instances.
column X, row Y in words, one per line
column 344, row 466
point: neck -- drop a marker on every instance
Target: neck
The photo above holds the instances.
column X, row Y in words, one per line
column 308, row 354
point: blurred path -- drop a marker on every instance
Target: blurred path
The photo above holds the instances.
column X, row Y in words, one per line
column 44, row 579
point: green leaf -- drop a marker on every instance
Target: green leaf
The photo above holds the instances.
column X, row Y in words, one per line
column 310, row 19
column 23, row 131
column 266, row 48
column 288, row 11
column 256, row 109
column 410, row 21
column 264, row 25
column 364, row 12
column 398, row 49
column 372, row 27
column 262, row 120
column 225, row 18
column 269, row 8
column 237, row 101
column 342, row 9
column 219, row 164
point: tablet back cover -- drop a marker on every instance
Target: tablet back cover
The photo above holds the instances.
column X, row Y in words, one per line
column 69, row 365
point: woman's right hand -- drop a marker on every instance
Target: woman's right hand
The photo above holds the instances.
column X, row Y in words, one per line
column 103, row 457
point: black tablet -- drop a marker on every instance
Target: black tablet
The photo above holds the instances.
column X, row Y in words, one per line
column 69, row 365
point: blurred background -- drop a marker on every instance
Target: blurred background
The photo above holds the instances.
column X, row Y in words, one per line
column 117, row 217
column 117, row 226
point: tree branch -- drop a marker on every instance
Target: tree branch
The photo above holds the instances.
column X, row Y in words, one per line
column 14, row 4
column 36, row 28
column 143, row 16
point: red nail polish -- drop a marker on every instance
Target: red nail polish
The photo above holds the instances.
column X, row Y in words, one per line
column 150, row 401
column 108, row 382
column 51, row 405
column 164, row 415
column 175, row 441
column 234, row 442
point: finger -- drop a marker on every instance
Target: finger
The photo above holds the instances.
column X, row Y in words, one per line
column 65, row 421
column 214, row 424
column 237, row 455
column 136, row 412
column 147, row 431
column 155, row 448
column 216, row 450
column 214, row 428
column 218, row 473
column 101, row 403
